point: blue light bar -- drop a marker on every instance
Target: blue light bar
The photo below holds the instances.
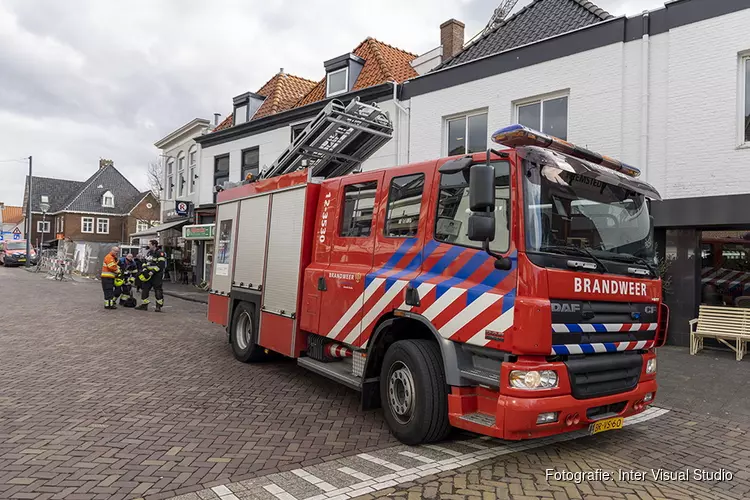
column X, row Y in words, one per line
column 518, row 135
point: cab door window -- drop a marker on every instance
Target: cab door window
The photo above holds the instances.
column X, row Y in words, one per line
column 404, row 205
column 359, row 204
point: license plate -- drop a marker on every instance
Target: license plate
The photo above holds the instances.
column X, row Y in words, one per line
column 21, row 260
column 608, row 424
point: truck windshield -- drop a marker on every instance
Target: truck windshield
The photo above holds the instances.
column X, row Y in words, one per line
column 568, row 211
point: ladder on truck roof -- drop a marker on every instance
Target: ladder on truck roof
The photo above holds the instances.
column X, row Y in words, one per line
column 336, row 141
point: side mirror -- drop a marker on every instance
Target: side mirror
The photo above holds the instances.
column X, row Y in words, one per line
column 503, row 264
column 481, row 226
column 482, row 188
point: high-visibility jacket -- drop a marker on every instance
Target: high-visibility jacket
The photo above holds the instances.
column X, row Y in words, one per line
column 110, row 268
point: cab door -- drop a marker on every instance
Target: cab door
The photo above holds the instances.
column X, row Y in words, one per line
column 351, row 257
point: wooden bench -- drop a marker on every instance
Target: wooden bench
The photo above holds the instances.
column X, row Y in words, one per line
column 728, row 325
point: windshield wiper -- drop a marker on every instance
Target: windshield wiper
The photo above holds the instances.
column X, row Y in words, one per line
column 567, row 249
column 629, row 257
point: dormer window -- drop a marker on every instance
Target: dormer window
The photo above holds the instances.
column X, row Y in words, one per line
column 337, row 82
column 245, row 107
column 108, row 200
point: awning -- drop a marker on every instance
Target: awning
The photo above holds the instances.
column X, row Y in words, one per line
column 199, row 232
column 152, row 231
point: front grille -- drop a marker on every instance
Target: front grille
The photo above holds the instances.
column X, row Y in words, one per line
column 600, row 412
column 603, row 374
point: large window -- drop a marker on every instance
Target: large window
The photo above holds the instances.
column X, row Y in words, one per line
column 42, row 226
column 192, row 169
column 181, row 175
column 745, row 124
column 102, row 226
column 546, row 115
column 250, row 162
column 453, row 212
column 467, row 134
column 59, row 224
column 87, row 224
column 170, row 180
column 221, row 171
column 359, row 201
column 725, row 268
column 336, row 82
column 404, row 205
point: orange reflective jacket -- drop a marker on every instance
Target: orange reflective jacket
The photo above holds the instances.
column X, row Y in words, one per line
column 110, row 267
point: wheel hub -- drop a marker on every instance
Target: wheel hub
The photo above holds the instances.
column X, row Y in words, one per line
column 401, row 392
column 244, row 332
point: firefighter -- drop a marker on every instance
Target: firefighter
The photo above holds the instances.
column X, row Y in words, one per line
column 129, row 271
column 151, row 276
column 110, row 270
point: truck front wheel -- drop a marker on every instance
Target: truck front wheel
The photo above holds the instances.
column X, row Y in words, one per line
column 414, row 392
column 243, row 334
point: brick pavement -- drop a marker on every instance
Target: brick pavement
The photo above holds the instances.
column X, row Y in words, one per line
column 118, row 404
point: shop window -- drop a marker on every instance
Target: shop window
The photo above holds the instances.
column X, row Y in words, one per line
column 725, row 268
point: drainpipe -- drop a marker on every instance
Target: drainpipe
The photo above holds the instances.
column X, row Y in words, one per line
column 405, row 110
column 644, row 97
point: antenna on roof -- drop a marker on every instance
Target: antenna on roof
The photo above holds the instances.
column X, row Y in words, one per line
column 500, row 14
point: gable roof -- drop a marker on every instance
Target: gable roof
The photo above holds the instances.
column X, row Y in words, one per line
column 281, row 92
column 539, row 20
column 383, row 63
column 12, row 214
column 65, row 195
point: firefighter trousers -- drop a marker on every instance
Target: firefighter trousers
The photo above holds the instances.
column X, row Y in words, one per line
column 108, row 286
column 154, row 283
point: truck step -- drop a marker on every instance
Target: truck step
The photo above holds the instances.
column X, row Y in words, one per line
column 484, row 377
column 479, row 418
column 340, row 371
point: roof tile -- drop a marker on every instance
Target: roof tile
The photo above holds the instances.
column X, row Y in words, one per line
column 12, row 214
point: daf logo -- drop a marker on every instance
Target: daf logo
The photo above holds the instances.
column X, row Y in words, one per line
column 566, row 308
column 650, row 309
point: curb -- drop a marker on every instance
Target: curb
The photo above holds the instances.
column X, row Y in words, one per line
column 189, row 299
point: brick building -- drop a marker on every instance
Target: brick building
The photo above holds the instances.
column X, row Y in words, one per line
column 105, row 208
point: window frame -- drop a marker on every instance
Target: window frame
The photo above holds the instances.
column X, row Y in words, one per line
column 109, row 195
column 388, row 202
column 170, row 179
column 141, row 225
column 346, row 82
column 100, row 220
column 44, row 225
column 242, row 161
column 192, row 168
column 744, row 86
column 296, row 126
column 343, row 208
column 540, row 99
column 91, row 220
column 181, row 181
column 508, row 216
column 465, row 117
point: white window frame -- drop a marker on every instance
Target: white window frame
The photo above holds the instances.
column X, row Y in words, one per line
column 109, row 195
column 42, row 226
column 141, row 225
column 743, row 84
column 181, row 181
column 465, row 117
column 169, row 195
column 540, row 99
column 192, row 169
column 100, row 220
column 84, row 221
column 346, row 82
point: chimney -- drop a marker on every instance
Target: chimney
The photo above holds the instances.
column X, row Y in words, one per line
column 451, row 38
column 103, row 163
column 217, row 117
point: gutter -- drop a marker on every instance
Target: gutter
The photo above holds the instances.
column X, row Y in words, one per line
column 397, row 130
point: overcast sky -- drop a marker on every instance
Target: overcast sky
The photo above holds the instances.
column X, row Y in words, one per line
column 86, row 79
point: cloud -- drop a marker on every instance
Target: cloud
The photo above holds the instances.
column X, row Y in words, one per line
column 89, row 79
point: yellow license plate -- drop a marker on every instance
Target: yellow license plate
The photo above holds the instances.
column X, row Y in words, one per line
column 608, row 424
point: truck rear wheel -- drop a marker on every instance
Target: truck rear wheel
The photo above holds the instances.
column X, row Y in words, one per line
column 414, row 392
column 244, row 335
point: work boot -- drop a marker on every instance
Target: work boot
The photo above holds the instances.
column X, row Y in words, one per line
column 142, row 307
column 158, row 308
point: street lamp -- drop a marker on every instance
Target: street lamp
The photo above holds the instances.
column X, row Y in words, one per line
column 44, row 207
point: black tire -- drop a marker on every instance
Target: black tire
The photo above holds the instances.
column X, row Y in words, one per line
column 427, row 419
column 244, row 341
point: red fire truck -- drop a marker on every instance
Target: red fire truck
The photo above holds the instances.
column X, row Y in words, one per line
column 510, row 293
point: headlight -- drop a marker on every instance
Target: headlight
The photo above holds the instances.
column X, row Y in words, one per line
column 651, row 366
column 533, row 380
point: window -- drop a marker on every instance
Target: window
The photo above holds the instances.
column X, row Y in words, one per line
column 170, row 180
column 250, row 162
column 452, row 220
column 404, row 204
column 359, row 201
column 221, row 171
column 467, row 134
column 337, row 82
column 745, row 124
column 192, row 169
column 297, row 129
column 141, row 225
column 42, row 226
column 102, row 226
column 108, row 200
column 546, row 115
column 240, row 114
column 87, row 224
column 59, row 221
column 180, row 176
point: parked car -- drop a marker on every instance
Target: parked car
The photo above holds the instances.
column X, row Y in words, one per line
column 13, row 253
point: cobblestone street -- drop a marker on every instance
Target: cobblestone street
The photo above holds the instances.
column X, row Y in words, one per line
column 122, row 404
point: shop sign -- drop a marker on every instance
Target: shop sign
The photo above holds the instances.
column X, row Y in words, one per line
column 199, row 232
